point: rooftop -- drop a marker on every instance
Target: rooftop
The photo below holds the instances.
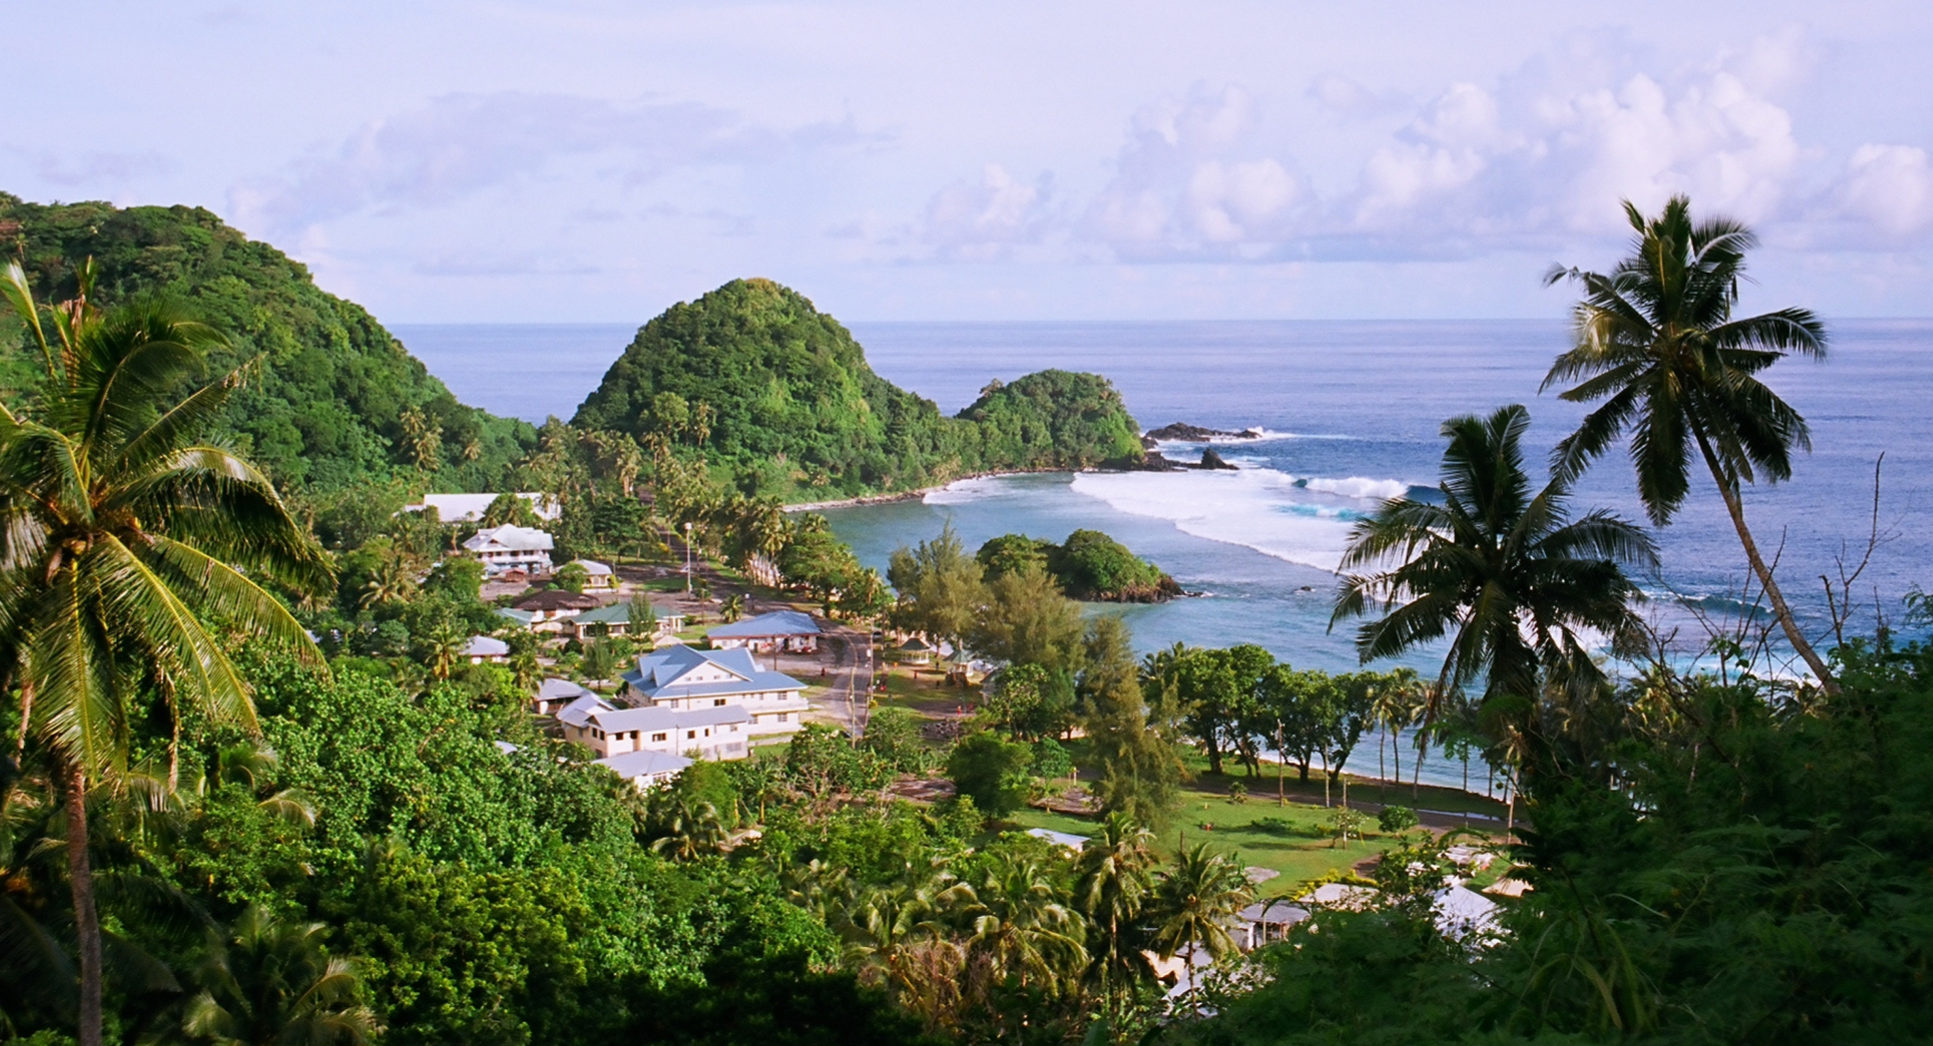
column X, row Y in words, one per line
column 509, row 537
column 776, row 623
column 633, row 765
column 468, row 508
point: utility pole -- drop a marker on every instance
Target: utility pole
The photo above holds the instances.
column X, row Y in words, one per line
column 687, row 557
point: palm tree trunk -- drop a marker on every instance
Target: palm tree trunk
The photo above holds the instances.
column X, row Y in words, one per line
column 1396, row 751
column 26, row 719
column 1382, row 782
column 1735, row 505
column 87, row 921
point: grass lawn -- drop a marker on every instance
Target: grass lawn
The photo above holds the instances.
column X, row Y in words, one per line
column 1288, row 839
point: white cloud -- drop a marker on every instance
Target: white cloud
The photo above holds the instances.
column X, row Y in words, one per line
column 983, row 217
column 1889, row 188
column 1193, row 180
column 458, row 145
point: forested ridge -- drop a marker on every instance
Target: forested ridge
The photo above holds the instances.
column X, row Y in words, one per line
column 335, row 401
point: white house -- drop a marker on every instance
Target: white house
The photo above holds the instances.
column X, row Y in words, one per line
column 468, row 508
column 680, row 677
column 552, row 609
column 486, row 648
column 600, row 575
column 554, row 693
column 615, row 620
column 717, row 732
column 646, row 769
column 510, row 547
column 778, row 630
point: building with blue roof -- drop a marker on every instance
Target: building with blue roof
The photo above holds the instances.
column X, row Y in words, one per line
column 683, row 678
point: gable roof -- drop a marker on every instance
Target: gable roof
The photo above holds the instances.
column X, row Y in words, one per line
column 620, row 719
column 592, row 567
column 486, row 646
column 776, row 623
column 556, row 599
column 620, row 613
column 509, row 538
column 579, row 712
column 468, row 508
column 555, row 689
column 633, row 765
column 522, row 617
column 664, row 673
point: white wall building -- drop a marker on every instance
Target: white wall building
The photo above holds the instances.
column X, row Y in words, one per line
column 511, row 547
column 680, row 677
column 719, row 732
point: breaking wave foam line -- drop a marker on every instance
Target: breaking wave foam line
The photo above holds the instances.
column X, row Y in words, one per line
column 1261, row 509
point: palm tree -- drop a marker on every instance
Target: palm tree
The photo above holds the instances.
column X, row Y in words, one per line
column 1502, row 570
column 1115, row 884
column 1022, row 926
column 1195, row 902
column 123, row 535
column 686, row 830
column 734, row 607
column 1657, row 342
column 1397, row 705
column 274, row 982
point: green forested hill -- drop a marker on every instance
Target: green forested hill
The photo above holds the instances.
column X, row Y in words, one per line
column 335, row 402
column 781, row 396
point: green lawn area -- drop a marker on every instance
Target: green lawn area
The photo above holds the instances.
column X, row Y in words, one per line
column 1287, row 839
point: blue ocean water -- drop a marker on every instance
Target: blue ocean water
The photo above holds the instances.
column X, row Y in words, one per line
column 1352, row 412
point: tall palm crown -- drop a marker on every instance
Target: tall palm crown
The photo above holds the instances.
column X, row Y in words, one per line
column 124, row 535
column 1656, row 341
column 1500, row 568
column 1196, row 901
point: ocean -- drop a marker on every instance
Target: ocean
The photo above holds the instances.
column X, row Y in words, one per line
column 1351, row 413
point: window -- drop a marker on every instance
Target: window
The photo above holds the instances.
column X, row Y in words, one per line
column 783, row 716
column 659, row 736
column 717, row 702
column 689, row 734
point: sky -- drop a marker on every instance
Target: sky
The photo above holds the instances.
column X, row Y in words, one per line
column 582, row 161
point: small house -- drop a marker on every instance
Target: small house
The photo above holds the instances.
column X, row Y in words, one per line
column 787, row 630
column 599, row 577
column 554, row 693
column 614, row 619
column 486, row 648
column 552, row 607
column 646, row 769
column 1267, row 922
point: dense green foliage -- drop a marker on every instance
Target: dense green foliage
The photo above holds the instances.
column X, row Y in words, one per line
column 1754, row 872
column 335, row 402
column 780, row 398
column 1089, row 565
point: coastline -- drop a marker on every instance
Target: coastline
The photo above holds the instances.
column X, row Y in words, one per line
column 921, row 492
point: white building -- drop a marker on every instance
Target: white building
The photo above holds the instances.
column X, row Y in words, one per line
column 679, row 677
column 511, row 547
column 646, row 769
column 469, row 508
column 717, row 732
column 789, row 630
column 486, row 648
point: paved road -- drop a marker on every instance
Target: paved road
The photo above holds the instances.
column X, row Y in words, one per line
column 850, row 649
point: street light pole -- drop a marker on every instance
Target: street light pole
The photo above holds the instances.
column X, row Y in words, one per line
column 687, row 557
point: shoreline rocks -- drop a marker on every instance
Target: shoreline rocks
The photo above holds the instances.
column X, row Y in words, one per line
column 1182, row 432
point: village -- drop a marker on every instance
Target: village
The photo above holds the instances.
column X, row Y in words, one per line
column 725, row 669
